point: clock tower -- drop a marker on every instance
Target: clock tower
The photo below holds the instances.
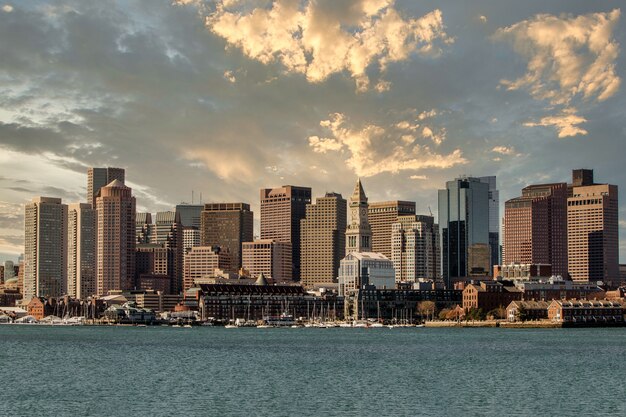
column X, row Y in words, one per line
column 358, row 232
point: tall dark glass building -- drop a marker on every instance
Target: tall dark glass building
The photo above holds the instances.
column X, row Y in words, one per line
column 464, row 229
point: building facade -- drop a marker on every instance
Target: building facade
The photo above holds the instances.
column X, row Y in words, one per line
column 535, row 227
column 323, row 240
column 115, row 244
column 98, row 178
column 381, row 216
column 227, row 225
column 494, row 219
column 202, row 261
column 45, row 248
column 81, row 250
column 144, row 228
column 464, row 229
column 169, row 233
column 282, row 209
column 593, row 230
column 190, row 214
column 268, row 257
column 415, row 248
column 358, row 232
column 359, row 270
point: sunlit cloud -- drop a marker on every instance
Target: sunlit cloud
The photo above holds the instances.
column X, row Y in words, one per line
column 566, row 123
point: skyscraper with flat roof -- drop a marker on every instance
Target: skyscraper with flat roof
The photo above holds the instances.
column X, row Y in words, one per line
column 45, row 248
column 323, row 240
column 464, row 229
column 282, row 209
column 168, row 232
column 115, row 244
column 227, row 225
column 81, row 250
column 268, row 257
column 415, row 248
column 535, row 227
column 381, row 215
column 98, row 178
column 593, row 227
column 494, row 219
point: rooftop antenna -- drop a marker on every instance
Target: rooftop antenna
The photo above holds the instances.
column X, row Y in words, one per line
column 430, row 211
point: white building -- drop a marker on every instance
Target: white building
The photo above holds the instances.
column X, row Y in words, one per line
column 359, row 269
column 415, row 248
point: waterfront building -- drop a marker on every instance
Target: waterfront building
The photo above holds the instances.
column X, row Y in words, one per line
column 282, row 209
column 381, row 215
column 587, row 312
column 415, row 248
column 464, row 229
column 227, row 225
column 153, row 260
column 228, row 302
column 144, row 228
column 535, row 227
column 268, row 257
column 489, row 295
column 81, row 250
column 392, row 305
column 521, row 310
column 202, row 262
column 115, row 244
column 190, row 214
column 98, row 178
column 45, row 248
column 593, row 229
column 323, row 240
column 168, row 232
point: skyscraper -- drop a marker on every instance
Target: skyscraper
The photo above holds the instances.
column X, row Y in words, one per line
column 281, row 211
column 494, row 219
column 535, row 227
column 323, row 240
column 227, row 225
column 81, row 250
column 415, row 248
column 202, row 261
column 592, row 222
column 358, row 232
column 115, row 247
column 45, row 248
column 169, row 233
column 268, row 257
column 98, row 178
column 190, row 214
column 464, row 229
column 381, row 215
column 144, row 228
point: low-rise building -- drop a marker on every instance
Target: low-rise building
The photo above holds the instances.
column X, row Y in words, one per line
column 489, row 295
column 527, row 310
column 395, row 305
column 587, row 312
column 556, row 288
column 39, row 307
column 518, row 271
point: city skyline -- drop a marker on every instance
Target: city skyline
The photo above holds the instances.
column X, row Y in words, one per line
column 248, row 119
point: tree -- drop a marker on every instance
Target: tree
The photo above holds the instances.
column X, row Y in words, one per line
column 426, row 309
column 443, row 314
column 497, row 313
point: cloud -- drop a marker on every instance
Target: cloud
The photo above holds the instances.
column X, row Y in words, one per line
column 571, row 63
column 7, row 8
column 437, row 138
column 230, row 77
column 321, row 38
column 482, row 18
column 565, row 123
column 373, row 149
column 503, row 150
column 418, row 177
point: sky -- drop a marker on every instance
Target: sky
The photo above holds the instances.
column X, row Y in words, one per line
column 225, row 97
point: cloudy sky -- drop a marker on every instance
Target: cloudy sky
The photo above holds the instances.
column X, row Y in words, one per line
column 224, row 97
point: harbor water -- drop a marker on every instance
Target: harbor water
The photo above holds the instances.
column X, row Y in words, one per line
column 159, row 371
